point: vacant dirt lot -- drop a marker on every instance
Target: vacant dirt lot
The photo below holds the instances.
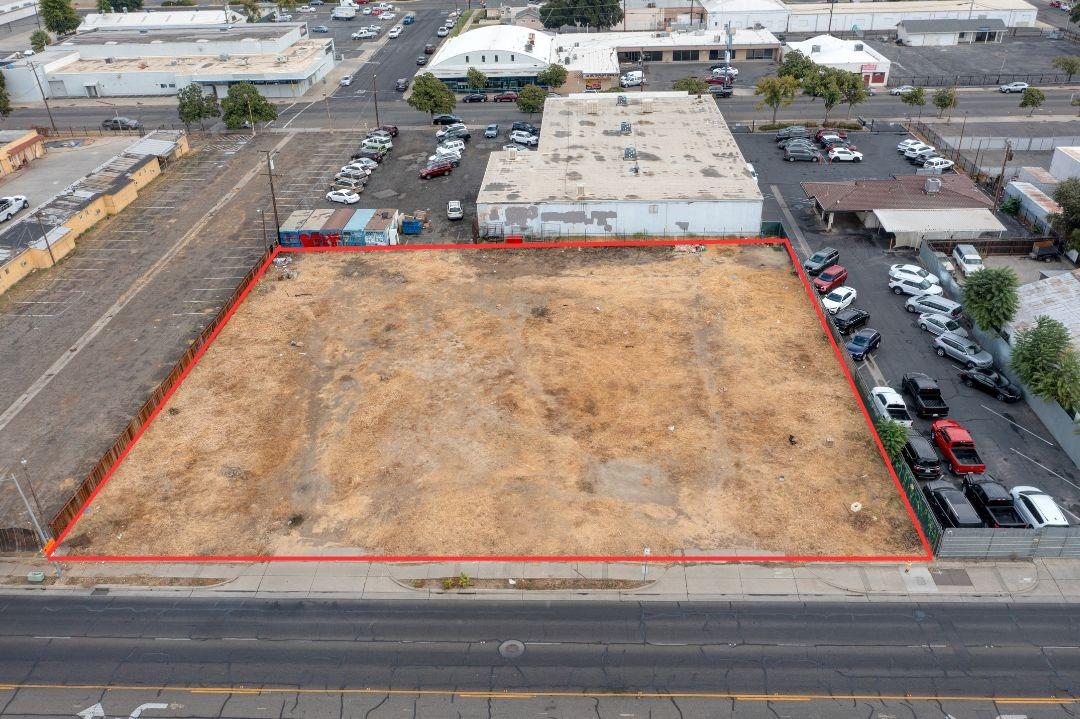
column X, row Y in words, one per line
column 527, row 402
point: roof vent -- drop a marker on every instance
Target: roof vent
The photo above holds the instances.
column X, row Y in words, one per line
column 932, row 186
column 110, row 60
column 581, row 190
column 624, row 127
column 223, row 56
column 592, row 107
column 622, row 100
column 815, row 48
column 646, row 105
column 859, row 47
column 280, row 60
column 629, row 153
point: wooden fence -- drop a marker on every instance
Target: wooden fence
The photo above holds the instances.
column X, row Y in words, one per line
column 105, row 465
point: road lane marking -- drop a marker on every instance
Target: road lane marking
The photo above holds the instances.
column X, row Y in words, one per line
column 1040, row 464
column 1016, row 425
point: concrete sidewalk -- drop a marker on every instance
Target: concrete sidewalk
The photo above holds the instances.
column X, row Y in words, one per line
column 1047, row 580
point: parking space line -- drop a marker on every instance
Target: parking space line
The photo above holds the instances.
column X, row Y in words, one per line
column 875, row 371
column 1043, row 466
column 1018, row 426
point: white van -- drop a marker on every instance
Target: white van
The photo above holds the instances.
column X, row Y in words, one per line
column 634, row 78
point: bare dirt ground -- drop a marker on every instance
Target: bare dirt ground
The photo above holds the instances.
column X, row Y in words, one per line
column 515, row 402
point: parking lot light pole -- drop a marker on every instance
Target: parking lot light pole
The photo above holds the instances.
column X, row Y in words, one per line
column 273, row 196
column 375, row 95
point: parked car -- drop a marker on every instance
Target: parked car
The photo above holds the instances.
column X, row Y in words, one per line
column 957, row 447
column 936, row 324
column 345, row 80
column 453, row 210
column 446, row 120
column 829, row 139
column 306, row 9
column 791, row 131
column 916, row 154
column 962, row 349
column 921, row 458
column 377, row 142
column 950, row 506
column 429, row 49
column 395, row 32
column 913, row 272
column 491, row 131
column 908, row 286
column 916, row 148
column 347, row 197
column 526, row 127
column 436, row 170
column 925, row 395
column 475, row 97
column 1037, row 507
column 862, row 343
column 825, row 131
column 363, row 163
column 457, row 133
column 796, row 153
column 821, row 259
column 901, row 90
column 726, row 70
column 935, row 304
column 842, row 154
column 992, row 382
column 721, row 90
column 451, row 143
column 391, row 130
column 830, row 142
column 905, row 144
column 1013, row 87
column 829, row 279
column 795, row 141
column 375, row 155
column 939, row 163
column 439, row 134
column 347, row 183
column 850, row 319
column 889, row 405
column 120, row 123
column 421, row 60
column 993, row 503
column 967, row 259
column 523, row 138
column 11, row 206
column 838, row 299
column 452, row 157
column 508, row 96
column 442, row 32
column 352, row 173
column 320, row 29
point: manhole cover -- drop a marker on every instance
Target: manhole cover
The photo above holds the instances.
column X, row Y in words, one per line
column 512, row 649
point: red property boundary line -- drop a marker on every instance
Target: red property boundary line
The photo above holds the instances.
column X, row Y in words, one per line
column 927, row 551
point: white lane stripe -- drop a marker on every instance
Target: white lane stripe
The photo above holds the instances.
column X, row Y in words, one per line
column 1016, row 425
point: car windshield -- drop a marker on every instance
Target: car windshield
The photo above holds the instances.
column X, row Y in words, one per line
column 860, row 340
column 835, row 296
column 950, row 325
column 818, row 257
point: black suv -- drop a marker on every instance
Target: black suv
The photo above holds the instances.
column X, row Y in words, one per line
column 721, row 90
column 120, row 123
column 401, row 85
column 950, row 506
column 850, row 319
column 526, row 127
column 445, row 120
column 821, row 259
column 920, row 457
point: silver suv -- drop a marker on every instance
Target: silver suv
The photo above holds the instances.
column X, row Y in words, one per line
column 961, row 349
column 935, row 304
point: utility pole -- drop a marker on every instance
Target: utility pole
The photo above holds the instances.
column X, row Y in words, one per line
column 960, row 143
column 832, row 5
column 30, row 484
column 262, row 217
column 1001, row 178
column 42, row 537
column 375, row 95
column 329, row 121
column 251, row 118
column 44, row 236
column 624, row 13
column 273, row 197
column 33, row 67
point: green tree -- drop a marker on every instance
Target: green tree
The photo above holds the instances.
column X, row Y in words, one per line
column 796, row 65
column 5, row 99
column 1067, row 222
column 1046, row 362
column 893, row 436
column 554, row 76
column 431, row 95
column 193, row 105
column 1074, row 14
column 945, row 99
column 1033, row 98
column 245, row 104
column 990, row 297
column 39, row 39
column 59, row 16
column 691, row 84
column 249, row 9
column 128, row 5
column 915, row 97
column 104, row 6
column 286, row 5
column 531, row 99
column 602, row 14
column 776, row 92
column 852, row 89
column 824, row 84
column 1068, row 64
column 475, row 79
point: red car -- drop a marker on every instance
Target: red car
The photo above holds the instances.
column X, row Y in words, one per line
column 838, row 143
column 719, row 81
column 830, row 131
column 505, row 97
column 437, row 170
column 957, row 447
column 829, row 279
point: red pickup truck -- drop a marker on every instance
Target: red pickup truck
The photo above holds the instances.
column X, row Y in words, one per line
column 957, row 446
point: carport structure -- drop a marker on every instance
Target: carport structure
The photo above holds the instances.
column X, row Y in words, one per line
column 908, row 228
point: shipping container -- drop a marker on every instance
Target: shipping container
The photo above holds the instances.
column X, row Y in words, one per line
column 330, row 235
column 311, row 231
column 382, row 228
column 289, row 234
column 353, row 233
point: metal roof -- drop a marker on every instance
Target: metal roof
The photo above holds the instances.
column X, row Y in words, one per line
column 947, row 25
column 965, row 220
column 158, row 143
column 1057, row 297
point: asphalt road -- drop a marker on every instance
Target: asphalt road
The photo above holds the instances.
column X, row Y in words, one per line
column 59, row 655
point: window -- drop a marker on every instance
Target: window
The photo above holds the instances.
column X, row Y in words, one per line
column 466, row 58
column 759, row 54
column 1031, row 508
column 511, row 58
column 483, row 58
column 685, row 55
column 654, row 209
column 496, row 58
column 653, row 55
column 715, row 55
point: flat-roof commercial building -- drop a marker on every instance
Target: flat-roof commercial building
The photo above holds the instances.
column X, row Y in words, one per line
column 282, row 59
column 851, row 55
column 650, row 164
column 160, row 20
column 885, row 16
column 940, row 33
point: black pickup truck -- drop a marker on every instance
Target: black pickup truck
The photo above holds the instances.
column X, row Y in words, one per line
column 926, row 395
column 993, row 503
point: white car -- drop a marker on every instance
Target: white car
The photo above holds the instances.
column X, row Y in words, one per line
column 1037, row 507
column 838, row 299
column 382, row 144
column 283, row 18
column 1013, row 87
column 454, row 211
column 363, row 163
column 889, row 404
column 395, row 32
column 306, row 8
column 355, row 168
column 345, row 197
column 11, row 206
column 905, row 144
column 914, row 150
column 913, row 286
column 442, row 32
column 366, row 11
column 524, row 138
column 843, row 154
column 388, row 16
column 457, row 146
column 439, row 134
column 938, row 163
column 365, row 34
column 936, row 324
column 911, row 272
column 901, row 90
column 345, row 81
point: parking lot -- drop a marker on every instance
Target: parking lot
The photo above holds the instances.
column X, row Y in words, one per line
column 1010, row 438
column 1013, row 56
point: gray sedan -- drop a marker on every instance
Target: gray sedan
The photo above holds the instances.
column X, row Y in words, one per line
column 936, row 324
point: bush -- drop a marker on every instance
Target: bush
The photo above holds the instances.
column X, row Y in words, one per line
column 1011, row 206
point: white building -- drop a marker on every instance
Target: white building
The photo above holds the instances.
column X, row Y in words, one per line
column 1065, row 164
column 280, row 58
column 851, row 55
column 769, row 14
column 12, row 11
column 164, row 20
column 938, row 33
column 885, row 16
column 653, row 164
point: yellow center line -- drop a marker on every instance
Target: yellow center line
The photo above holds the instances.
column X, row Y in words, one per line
column 519, row 694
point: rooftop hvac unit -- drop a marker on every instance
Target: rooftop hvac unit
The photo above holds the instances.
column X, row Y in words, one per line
column 932, row 186
column 223, row 56
column 646, row 105
column 110, row 60
column 592, row 107
column 629, row 153
column 624, row 127
column 859, row 47
column 581, row 189
column 622, row 100
column 815, row 48
column 280, row 60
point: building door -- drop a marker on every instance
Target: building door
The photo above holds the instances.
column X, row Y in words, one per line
column 91, row 90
